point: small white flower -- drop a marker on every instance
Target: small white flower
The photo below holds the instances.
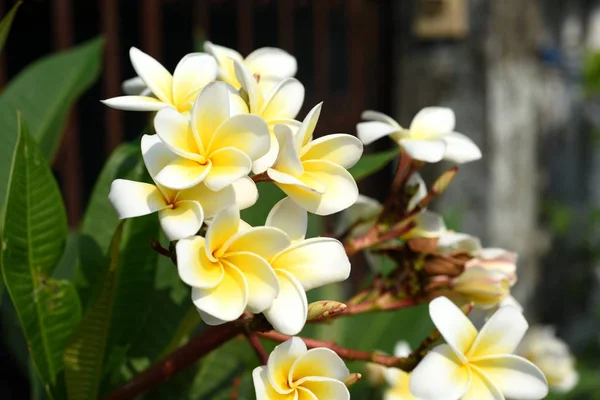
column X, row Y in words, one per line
column 179, row 90
column 398, row 380
column 430, row 138
column 304, row 265
column 477, row 366
column 293, row 372
column 428, row 224
column 552, row 355
column 313, row 172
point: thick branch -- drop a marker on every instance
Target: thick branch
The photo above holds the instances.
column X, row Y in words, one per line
column 257, row 346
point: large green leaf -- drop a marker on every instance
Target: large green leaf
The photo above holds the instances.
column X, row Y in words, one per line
column 6, row 23
column 371, row 163
column 34, row 235
column 44, row 92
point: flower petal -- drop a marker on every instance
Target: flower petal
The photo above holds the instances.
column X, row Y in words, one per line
column 280, row 362
column 175, row 132
column 263, row 388
column 134, row 86
column 305, row 394
column 263, row 285
column 250, row 86
column 212, row 201
column 182, row 173
column 424, row 150
column 415, row 180
column 290, row 218
column 433, row 121
column 359, row 217
column 371, row 115
column 319, row 362
column 326, row 388
column 428, row 225
column 460, row 149
column 340, row 189
column 224, row 56
column 481, row 387
column 452, row 241
column 228, row 166
column 154, row 75
column 156, row 154
column 132, row 199
column 339, row 148
column 226, row 301
column 194, row 71
column 181, row 221
column 402, row 349
column 211, row 108
column 261, row 164
column 307, row 128
column 370, row 131
column 501, row 334
column 314, row 262
column 135, row 103
column 223, row 227
column 287, row 179
column 515, row 376
column 194, row 268
column 271, row 61
column 285, row 101
column 246, row 193
column 245, row 132
column 453, row 324
column 440, row 375
column 288, row 160
column 289, row 310
column 261, row 240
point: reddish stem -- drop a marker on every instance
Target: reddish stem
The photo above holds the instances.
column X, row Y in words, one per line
column 257, row 346
column 157, row 247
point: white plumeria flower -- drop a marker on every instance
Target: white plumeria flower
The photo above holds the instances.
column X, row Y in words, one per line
column 304, row 265
column 227, row 269
column 552, row 355
column 397, row 379
column 430, row 138
column 477, row 366
column 270, row 64
column 295, row 373
column 451, row 241
column 179, row 90
column 428, row 224
column 216, row 147
column 359, row 217
column 279, row 105
column 313, row 172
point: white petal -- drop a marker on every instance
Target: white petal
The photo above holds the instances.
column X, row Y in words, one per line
column 184, row 220
column 289, row 310
column 501, row 334
column 250, row 86
column 211, row 108
column 440, row 375
column 182, row 173
column 371, row 115
column 194, row 268
column 246, row 193
column 209, row 319
column 482, row 387
column 132, row 199
column 261, row 240
column 228, row 166
column 193, row 72
column 326, row 388
column 262, row 387
column 314, row 262
column 285, row 101
column 174, row 130
column 212, row 201
column 280, row 362
column 433, row 121
column 415, row 180
column 286, row 179
column 339, row 148
column 134, row 86
column 261, row 164
column 516, row 377
column 451, row 241
column 245, row 132
column 370, row 131
column 453, row 324
column 156, row 154
column 288, row 160
column 424, row 150
column 428, row 225
column 223, row 227
column 402, row 349
column 321, row 362
column 224, row 56
column 135, row 103
column 460, row 149
column 290, row 218
column 226, row 301
column 154, row 75
column 263, row 285
column 361, row 214
column 271, row 61
column 307, row 128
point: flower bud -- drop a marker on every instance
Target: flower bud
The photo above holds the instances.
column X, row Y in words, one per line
column 352, row 379
column 323, row 309
column 494, row 259
column 486, row 288
column 375, row 374
column 446, row 265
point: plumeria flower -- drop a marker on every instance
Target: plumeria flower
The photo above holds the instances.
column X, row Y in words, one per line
column 397, row 379
column 552, row 355
column 359, row 218
column 179, row 90
column 227, row 269
column 270, row 64
column 295, row 373
column 428, row 224
column 451, row 241
column 280, row 105
column 304, row 265
column 180, row 212
column 313, row 172
column 477, row 366
column 216, row 147
column 430, row 137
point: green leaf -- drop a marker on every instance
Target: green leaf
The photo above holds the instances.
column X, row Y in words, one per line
column 6, row 23
column 44, row 92
column 33, row 239
column 371, row 163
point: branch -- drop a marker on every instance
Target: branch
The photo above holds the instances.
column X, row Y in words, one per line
column 263, row 177
column 257, row 346
column 157, row 247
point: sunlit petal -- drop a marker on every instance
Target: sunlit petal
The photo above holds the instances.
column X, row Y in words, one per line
column 245, row 132
column 341, row 149
column 482, row 387
column 285, row 101
column 271, row 61
column 246, row 193
column 193, row 72
column 135, row 103
column 432, row 121
column 183, row 220
column 424, row 150
column 224, row 225
column 261, row 240
column 154, row 75
column 211, row 109
column 288, row 311
column 182, row 173
column 132, row 199
column 501, row 334
column 212, row 201
column 453, row 324
column 281, row 360
column 195, row 269
column 460, row 149
column 174, row 130
column 290, row 218
column 228, row 165
column 319, row 362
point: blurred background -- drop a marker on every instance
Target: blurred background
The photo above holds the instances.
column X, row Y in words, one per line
column 523, row 77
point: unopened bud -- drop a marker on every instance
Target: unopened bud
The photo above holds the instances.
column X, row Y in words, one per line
column 352, row 379
column 485, row 288
column 324, row 309
column 423, row 245
column 446, row 265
